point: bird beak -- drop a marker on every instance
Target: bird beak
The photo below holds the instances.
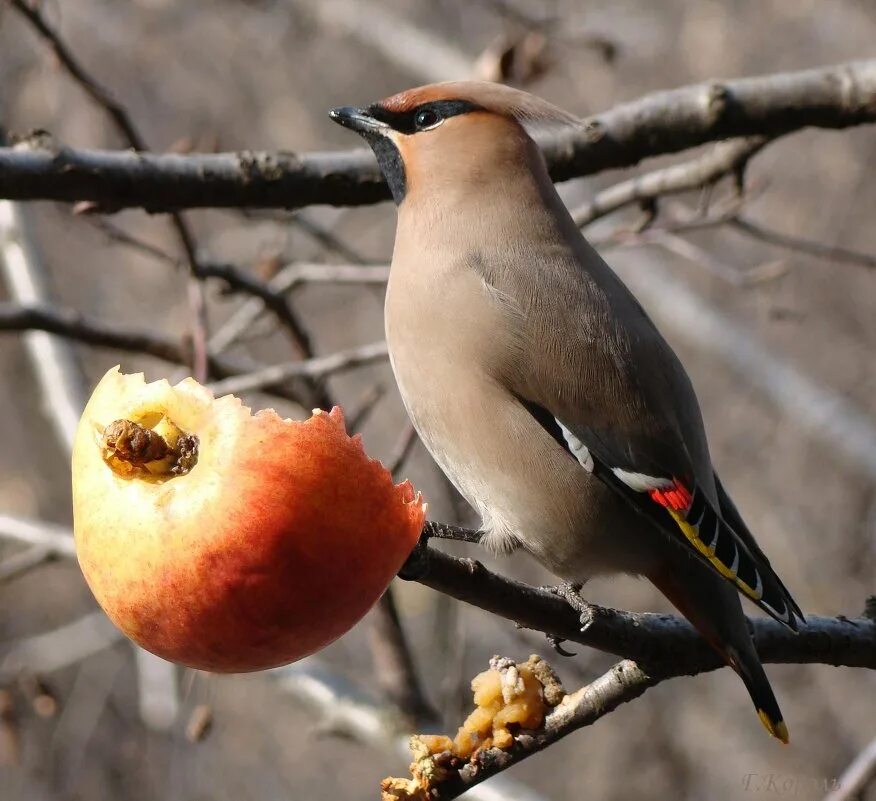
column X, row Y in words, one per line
column 357, row 119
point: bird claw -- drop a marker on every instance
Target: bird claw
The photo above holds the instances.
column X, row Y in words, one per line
column 571, row 594
column 557, row 645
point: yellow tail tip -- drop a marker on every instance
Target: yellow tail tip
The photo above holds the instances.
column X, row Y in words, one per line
column 777, row 728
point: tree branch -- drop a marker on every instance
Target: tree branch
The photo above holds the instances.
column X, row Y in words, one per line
column 664, row 645
column 655, row 647
column 314, row 368
column 726, row 158
column 624, row 682
column 72, row 325
column 839, row 96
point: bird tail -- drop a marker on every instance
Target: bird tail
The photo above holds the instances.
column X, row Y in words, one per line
column 756, row 682
column 713, row 607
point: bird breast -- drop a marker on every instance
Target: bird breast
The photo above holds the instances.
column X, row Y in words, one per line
column 451, row 345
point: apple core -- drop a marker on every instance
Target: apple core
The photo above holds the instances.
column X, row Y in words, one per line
column 131, row 448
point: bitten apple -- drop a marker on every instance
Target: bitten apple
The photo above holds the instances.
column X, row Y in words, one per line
column 228, row 541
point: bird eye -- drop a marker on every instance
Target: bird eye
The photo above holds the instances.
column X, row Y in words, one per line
column 427, row 118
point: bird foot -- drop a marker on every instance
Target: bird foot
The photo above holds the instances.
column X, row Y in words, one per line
column 571, row 594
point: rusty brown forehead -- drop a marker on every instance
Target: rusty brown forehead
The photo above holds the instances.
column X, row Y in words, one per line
column 410, row 99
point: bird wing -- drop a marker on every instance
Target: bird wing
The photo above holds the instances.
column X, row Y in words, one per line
column 677, row 505
column 594, row 371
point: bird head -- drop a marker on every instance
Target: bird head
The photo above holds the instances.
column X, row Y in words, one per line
column 450, row 135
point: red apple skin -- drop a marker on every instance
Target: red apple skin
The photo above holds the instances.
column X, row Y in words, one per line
column 278, row 541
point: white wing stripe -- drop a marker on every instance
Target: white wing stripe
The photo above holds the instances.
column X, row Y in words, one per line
column 639, row 482
column 578, row 448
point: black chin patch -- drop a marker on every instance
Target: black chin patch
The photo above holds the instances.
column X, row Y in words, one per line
column 391, row 164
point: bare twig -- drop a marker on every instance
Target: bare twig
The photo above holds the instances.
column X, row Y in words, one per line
column 239, row 281
column 316, row 367
column 55, row 538
column 402, row 450
column 855, row 778
column 735, row 276
column 807, row 246
column 72, row 325
column 62, row 386
column 394, row 664
column 358, row 413
column 53, row 650
column 833, row 97
column 24, row 561
column 290, row 277
column 75, row 326
column 725, row 159
column 390, row 649
column 325, row 237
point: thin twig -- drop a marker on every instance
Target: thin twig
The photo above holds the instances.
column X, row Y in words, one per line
column 57, row 539
column 57, row 649
column 72, row 325
column 316, row 367
column 726, row 158
column 390, row 649
column 394, row 664
column 239, row 281
column 61, row 383
column 734, row 276
column 24, row 561
column 288, row 278
column 807, row 246
column 402, row 451
column 855, row 778
column 358, row 413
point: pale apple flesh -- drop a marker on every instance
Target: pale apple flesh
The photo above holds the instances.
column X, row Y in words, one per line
column 277, row 539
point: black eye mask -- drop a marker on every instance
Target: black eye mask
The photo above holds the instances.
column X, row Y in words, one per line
column 405, row 122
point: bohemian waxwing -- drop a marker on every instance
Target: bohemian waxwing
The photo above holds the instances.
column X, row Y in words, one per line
column 537, row 381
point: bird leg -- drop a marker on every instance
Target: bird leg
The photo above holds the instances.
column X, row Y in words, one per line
column 571, row 593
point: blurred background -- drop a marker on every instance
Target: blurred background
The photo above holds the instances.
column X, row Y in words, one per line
column 779, row 343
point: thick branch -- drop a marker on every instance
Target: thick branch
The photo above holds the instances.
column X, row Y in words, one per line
column 664, row 645
column 655, row 647
column 666, row 122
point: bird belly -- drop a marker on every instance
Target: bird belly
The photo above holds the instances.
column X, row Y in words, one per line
column 528, row 490
column 450, row 341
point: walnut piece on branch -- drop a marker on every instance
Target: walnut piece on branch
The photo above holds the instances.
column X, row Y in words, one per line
column 510, row 698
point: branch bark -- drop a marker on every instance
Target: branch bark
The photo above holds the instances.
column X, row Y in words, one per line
column 663, row 645
column 833, row 97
